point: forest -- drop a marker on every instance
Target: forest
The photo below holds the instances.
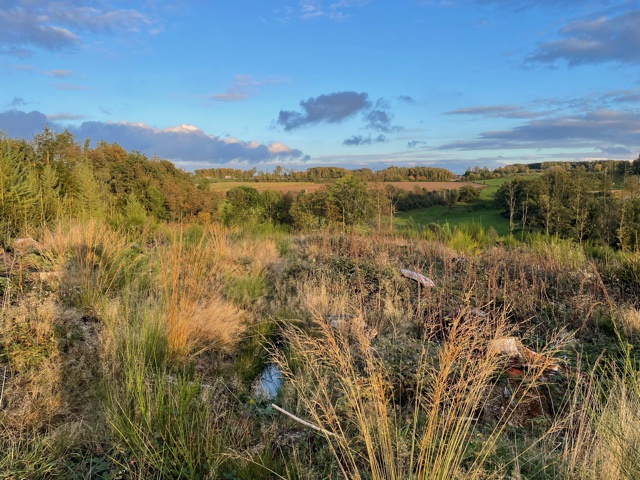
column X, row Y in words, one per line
column 153, row 327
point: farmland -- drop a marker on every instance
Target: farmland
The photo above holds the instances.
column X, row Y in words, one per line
column 284, row 187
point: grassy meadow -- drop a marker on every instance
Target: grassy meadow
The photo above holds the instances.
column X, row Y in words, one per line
column 485, row 212
column 135, row 353
column 458, row 215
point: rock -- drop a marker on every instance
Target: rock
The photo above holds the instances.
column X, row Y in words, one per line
column 520, row 355
column 22, row 246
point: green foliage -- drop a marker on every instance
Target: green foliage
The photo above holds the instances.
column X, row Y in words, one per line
column 135, row 215
column 575, row 203
column 17, row 191
column 243, row 205
column 307, row 211
column 458, row 215
column 244, row 290
column 350, row 199
column 469, row 194
column 323, row 174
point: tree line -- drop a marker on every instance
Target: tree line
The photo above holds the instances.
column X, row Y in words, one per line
column 474, row 174
column 599, row 204
column 53, row 177
column 326, row 174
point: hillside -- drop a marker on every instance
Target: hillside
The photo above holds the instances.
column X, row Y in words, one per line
column 138, row 344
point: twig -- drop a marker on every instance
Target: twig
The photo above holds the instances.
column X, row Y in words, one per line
column 4, row 378
column 303, row 422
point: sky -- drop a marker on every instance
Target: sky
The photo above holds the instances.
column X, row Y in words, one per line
column 352, row 83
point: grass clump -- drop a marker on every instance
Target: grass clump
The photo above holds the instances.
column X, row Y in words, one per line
column 344, row 387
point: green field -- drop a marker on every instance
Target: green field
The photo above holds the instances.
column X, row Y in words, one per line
column 262, row 186
column 494, row 184
column 456, row 216
column 484, row 213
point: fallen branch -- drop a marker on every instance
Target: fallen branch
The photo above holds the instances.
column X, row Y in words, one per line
column 303, row 422
column 418, row 277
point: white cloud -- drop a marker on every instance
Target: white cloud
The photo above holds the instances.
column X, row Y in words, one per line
column 183, row 143
column 59, row 25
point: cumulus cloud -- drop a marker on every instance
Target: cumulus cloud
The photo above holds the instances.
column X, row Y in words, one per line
column 337, row 107
column 606, row 38
column 610, row 128
column 184, row 143
column 243, row 87
column 355, row 140
column 330, row 108
column 379, row 118
column 58, row 25
column 494, row 111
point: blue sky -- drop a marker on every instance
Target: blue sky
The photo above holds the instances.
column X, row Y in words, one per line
column 354, row 83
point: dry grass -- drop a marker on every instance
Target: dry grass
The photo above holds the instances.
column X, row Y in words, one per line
column 94, row 261
column 629, row 318
column 343, row 386
column 32, row 396
column 604, row 421
column 196, row 315
column 323, row 297
column 404, row 380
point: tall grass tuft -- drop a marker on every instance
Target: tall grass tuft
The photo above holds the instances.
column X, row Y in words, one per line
column 345, row 388
column 93, row 260
column 168, row 425
column 196, row 315
column 605, row 425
